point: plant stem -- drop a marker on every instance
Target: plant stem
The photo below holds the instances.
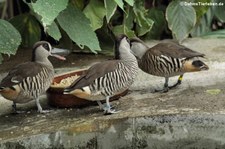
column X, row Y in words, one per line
column 4, row 11
column 11, row 11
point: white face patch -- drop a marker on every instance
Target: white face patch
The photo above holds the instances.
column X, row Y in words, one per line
column 14, row 80
column 87, row 90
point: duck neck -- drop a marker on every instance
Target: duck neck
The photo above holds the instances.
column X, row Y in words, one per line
column 126, row 55
column 44, row 61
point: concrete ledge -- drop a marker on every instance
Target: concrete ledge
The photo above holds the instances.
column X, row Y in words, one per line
column 191, row 114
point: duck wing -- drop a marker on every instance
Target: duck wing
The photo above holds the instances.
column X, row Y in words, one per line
column 96, row 71
column 174, row 50
column 19, row 73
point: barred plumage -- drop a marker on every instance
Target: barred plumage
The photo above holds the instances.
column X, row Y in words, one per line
column 29, row 80
column 113, row 82
column 108, row 78
column 167, row 59
column 161, row 65
column 32, row 87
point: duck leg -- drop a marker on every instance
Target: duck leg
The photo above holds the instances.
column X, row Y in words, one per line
column 40, row 110
column 101, row 106
column 15, row 111
column 107, row 108
column 178, row 82
column 165, row 88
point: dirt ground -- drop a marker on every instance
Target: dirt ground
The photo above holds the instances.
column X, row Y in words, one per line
column 200, row 93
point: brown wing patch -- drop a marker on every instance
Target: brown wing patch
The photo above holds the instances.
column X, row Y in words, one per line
column 20, row 72
column 96, row 71
column 173, row 50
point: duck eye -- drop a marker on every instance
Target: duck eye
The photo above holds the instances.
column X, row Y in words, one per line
column 128, row 40
column 46, row 46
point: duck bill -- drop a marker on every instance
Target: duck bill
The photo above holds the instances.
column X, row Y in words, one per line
column 59, row 53
column 205, row 67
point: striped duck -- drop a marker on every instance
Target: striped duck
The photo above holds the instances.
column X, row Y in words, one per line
column 167, row 59
column 105, row 79
column 27, row 81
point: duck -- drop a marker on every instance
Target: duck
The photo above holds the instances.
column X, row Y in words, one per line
column 106, row 79
column 167, row 59
column 27, row 81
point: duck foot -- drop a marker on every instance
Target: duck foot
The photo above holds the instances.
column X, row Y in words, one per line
column 164, row 90
column 175, row 85
column 15, row 111
column 110, row 111
column 44, row 111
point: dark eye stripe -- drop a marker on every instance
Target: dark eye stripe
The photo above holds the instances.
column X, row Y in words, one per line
column 45, row 45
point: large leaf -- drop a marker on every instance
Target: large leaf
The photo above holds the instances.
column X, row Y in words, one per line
column 220, row 10
column 215, row 34
column 77, row 26
column 54, row 31
column 78, row 3
column 95, row 11
column 144, row 23
column 181, row 19
column 204, row 25
column 130, row 2
column 129, row 18
column 110, row 7
column 120, row 3
column 49, row 9
column 28, row 27
column 10, row 38
column 127, row 26
column 201, row 9
column 159, row 23
column 123, row 29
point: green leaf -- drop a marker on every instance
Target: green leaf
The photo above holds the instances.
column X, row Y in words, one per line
column 10, row 38
column 95, row 11
column 110, row 7
column 220, row 10
column 201, row 9
column 215, row 34
column 78, row 3
column 49, row 9
column 213, row 91
column 181, row 19
column 129, row 18
column 28, row 27
column 130, row 2
column 122, row 29
column 159, row 23
column 144, row 23
column 204, row 25
column 120, row 3
column 54, row 31
column 78, row 28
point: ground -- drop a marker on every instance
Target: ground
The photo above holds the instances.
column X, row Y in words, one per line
column 196, row 105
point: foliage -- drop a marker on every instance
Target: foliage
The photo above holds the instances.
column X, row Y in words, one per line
column 48, row 10
column 77, row 26
column 90, row 23
column 180, row 19
column 29, row 28
column 10, row 38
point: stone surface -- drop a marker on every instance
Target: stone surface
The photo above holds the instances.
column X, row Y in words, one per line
column 189, row 116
